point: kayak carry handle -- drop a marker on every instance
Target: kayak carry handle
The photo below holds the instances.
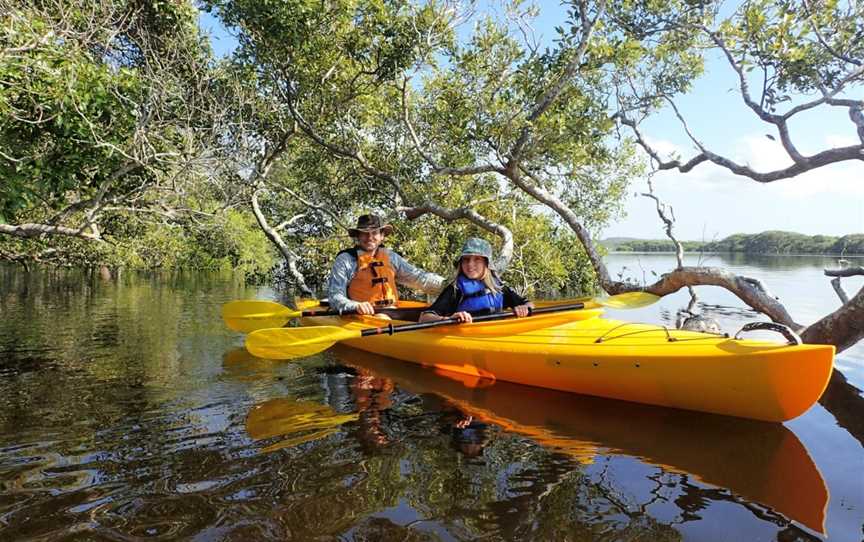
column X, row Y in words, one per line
column 792, row 337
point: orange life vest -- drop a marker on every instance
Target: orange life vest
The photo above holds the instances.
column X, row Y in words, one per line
column 375, row 279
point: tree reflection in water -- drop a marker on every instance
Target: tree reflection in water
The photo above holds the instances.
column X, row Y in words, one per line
column 134, row 415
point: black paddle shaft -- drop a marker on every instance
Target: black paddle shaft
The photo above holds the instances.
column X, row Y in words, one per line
column 403, row 314
column 391, row 329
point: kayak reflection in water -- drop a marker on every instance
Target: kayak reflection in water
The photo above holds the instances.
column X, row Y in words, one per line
column 476, row 289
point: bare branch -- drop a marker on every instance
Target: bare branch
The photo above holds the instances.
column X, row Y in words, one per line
column 450, row 215
column 553, row 92
column 276, row 239
column 336, row 218
column 845, row 272
column 30, row 231
column 842, row 328
column 669, row 222
column 436, row 168
column 841, row 293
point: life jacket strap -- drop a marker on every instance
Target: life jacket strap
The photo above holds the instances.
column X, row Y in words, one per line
column 478, row 293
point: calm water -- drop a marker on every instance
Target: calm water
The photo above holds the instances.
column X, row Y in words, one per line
column 127, row 411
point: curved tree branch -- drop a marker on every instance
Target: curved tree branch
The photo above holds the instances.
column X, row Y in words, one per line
column 437, row 168
column 505, row 255
column 30, row 231
column 842, row 328
column 276, row 239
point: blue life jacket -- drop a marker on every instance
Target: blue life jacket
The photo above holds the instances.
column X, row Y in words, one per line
column 476, row 297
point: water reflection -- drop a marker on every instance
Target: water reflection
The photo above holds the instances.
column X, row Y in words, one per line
column 127, row 412
column 761, row 466
column 293, row 422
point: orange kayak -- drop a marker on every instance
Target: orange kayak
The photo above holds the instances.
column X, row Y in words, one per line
column 580, row 352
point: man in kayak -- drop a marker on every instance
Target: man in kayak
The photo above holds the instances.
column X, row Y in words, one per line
column 476, row 288
column 364, row 278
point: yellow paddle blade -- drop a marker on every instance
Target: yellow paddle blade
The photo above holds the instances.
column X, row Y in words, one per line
column 298, row 421
column 297, row 440
column 296, row 342
column 247, row 316
column 628, row 300
column 306, row 304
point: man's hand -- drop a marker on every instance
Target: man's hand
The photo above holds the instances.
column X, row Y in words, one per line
column 365, row 308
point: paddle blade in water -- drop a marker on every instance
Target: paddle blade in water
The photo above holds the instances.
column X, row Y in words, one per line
column 247, row 316
column 285, row 416
column 295, row 342
column 628, row 300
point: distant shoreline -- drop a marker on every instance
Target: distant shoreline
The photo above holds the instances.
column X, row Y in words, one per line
column 722, row 253
column 769, row 243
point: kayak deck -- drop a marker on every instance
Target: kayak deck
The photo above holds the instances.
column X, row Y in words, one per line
column 607, row 358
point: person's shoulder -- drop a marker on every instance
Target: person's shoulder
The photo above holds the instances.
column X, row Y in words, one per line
column 345, row 257
column 347, row 252
column 394, row 257
column 392, row 252
column 450, row 285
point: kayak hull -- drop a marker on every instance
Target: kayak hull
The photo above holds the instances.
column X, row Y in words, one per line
column 642, row 363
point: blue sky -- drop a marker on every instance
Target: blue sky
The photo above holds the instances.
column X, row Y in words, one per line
column 710, row 203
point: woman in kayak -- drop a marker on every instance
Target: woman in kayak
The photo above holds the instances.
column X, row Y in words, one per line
column 476, row 289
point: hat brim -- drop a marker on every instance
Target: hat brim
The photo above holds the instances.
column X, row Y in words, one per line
column 459, row 259
column 386, row 229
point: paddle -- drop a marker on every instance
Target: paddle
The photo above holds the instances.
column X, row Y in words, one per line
column 248, row 315
column 627, row 300
column 251, row 315
column 298, row 342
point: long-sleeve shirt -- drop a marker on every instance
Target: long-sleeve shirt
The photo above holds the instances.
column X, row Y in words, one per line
column 345, row 267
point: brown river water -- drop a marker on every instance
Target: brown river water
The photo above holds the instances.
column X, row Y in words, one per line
column 129, row 412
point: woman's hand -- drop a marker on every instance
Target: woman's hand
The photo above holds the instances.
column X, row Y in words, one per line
column 462, row 316
column 522, row 311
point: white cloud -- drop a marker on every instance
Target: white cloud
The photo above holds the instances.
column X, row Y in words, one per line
column 709, row 201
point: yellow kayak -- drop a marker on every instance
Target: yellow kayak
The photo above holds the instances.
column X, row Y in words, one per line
column 643, row 363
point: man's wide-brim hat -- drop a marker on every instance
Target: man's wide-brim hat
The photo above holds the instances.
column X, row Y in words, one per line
column 370, row 223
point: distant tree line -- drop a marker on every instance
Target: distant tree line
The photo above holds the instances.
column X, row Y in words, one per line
column 769, row 242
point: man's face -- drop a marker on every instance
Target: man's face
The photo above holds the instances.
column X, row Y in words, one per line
column 369, row 240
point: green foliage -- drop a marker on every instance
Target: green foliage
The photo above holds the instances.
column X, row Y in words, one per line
column 128, row 111
column 655, row 245
column 228, row 242
column 799, row 46
column 62, row 111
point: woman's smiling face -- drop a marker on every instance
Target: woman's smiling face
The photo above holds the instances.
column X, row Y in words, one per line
column 473, row 267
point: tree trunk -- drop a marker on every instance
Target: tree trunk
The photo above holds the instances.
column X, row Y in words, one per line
column 276, row 239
